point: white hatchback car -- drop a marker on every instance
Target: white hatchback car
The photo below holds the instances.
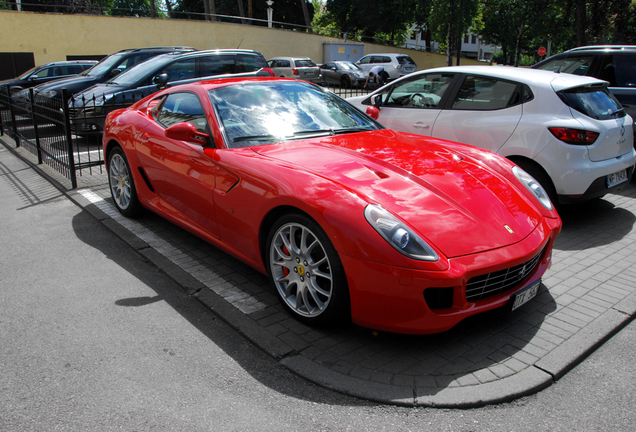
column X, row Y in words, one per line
column 567, row 131
column 395, row 65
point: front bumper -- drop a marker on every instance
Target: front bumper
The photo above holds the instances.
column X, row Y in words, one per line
column 395, row 299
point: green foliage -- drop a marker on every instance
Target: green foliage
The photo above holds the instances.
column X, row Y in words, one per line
column 287, row 11
column 135, row 8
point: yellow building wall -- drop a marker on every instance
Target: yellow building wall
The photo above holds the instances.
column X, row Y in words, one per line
column 51, row 37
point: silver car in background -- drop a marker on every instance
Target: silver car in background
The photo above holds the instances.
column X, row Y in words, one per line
column 345, row 73
column 302, row 68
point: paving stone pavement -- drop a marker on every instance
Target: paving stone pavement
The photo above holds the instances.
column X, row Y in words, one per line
column 588, row 294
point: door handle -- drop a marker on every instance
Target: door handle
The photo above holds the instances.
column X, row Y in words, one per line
column 421, row 125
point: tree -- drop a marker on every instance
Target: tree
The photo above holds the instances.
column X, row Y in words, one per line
column 515, row 24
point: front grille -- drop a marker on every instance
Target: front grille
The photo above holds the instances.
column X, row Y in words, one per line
column 492, row 284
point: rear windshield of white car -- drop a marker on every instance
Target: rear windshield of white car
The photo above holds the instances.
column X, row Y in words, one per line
column 405, row 60
column 596, row 103
column 304, row 63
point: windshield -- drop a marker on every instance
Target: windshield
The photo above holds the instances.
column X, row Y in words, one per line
column 27, row 73
column 348, row 66
column 103, row 66
column 405, row 60
column 304, row 63
column 268, row 112
column 598, row 104
column 136, row 74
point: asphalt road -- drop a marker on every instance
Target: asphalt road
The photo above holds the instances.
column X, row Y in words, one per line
column 94, row 338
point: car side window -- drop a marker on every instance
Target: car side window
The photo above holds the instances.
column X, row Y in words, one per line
column 216, row 65
column 483, row 94
column 44, row 73
column 248, row 63
column 423, row 91
column 619, row 70
column 182, row 107
column 181, row 70
column 572, row 64
column 365, row 60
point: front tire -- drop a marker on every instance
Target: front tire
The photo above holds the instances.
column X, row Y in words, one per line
column 306, row 271
column 122, row 184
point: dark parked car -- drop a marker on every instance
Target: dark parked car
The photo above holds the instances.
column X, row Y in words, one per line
column 45, row 73
column 103, row 71
column 91, row 106
column 613, row 63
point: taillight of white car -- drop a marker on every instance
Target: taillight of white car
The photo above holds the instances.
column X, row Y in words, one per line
column 574, row 136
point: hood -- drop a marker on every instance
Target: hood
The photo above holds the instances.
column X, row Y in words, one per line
column 456, row 202
column 73, row 84
column 100, row 92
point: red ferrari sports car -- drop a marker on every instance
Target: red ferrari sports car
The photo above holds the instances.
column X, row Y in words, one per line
column 350, row 220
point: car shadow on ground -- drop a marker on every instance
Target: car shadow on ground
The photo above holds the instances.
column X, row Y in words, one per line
column 492, row 341
column 594, row 224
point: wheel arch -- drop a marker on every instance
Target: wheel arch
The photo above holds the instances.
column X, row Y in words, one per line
column 536, row 170
column 268, row 221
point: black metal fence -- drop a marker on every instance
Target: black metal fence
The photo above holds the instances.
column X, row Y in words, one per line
column 42, row 126
column 68, row 136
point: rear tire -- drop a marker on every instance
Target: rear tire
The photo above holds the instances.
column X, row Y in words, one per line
column 122, row 184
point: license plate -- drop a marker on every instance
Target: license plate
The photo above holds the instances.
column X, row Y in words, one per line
column 616, row 178
column 310, row 73
column 524, row 296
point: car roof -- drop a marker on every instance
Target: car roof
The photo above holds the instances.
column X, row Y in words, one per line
column 167, row 48
column 603, row 48
column 69, row 62
column 531, row 77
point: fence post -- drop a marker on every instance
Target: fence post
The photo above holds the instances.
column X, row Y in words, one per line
column 67, row 130
column 35, row 126
column 16, row 137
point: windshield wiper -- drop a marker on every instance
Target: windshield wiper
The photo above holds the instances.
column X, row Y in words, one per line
column 618, row 111
column 257, row 138
column 351, row 130
column 320, row 132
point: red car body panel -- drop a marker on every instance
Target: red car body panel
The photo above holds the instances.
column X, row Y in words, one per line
column 458, row 198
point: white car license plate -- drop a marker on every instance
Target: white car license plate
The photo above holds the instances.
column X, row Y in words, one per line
column 524, row 296
column 616, row 178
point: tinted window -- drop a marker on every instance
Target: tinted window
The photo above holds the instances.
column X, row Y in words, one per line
column 619, row 70
column 598, row 104
column 182, row 107
column 181, row 70
column 249, row 63
column 573, row 64
column 217, row 65
column 305, row 63
column 482, row 93
column 423, row 91
column 365, row 60
column 405, row 60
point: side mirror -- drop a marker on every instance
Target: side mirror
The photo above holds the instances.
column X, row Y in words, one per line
column 373, row 112
column 376, row 101
column 161, row 80
column 187, row 132
column 114, row 72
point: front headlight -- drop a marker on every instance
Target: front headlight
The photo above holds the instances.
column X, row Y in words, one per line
column 48, row 94
column 533, row 186
column 400, row 236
